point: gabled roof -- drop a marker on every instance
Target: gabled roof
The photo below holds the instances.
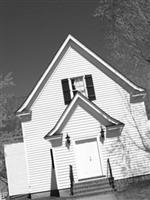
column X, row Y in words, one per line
column 91, row 57
column 91, row 108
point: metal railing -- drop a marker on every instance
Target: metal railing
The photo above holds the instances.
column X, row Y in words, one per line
column 110, row 175
column 71, row 179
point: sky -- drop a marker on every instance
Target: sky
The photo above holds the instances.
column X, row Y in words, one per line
column 32, row 31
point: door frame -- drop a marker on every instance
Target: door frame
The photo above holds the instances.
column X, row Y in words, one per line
column 80, row 141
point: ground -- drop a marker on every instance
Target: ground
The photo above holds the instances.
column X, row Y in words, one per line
column 138, row 191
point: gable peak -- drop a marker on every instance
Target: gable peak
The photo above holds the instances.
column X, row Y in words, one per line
column 93, row 58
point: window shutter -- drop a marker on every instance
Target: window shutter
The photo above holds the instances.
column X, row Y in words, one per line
column 66, row 91
column 90, row 87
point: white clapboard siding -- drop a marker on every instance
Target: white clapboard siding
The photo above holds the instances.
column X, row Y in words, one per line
column 73, row 64
column 48, row 108
column 127, row 155
column 119, row 155
column 38, row 158
column 77, row 130
column 16, row 169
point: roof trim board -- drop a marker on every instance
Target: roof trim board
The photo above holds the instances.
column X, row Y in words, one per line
column 91, row 108
column 91, row 57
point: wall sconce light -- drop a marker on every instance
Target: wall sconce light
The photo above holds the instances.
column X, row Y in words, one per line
column 68, row 139
column 102, row 136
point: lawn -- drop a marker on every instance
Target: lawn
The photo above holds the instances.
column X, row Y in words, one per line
column 138, row 191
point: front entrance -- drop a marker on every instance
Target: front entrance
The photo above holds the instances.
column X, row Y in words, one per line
column 88, row 159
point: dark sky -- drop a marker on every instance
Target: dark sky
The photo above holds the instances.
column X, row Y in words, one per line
column 31, row 32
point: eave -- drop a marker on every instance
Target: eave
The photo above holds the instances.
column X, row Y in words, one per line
column 137, row 97
column 25, row 115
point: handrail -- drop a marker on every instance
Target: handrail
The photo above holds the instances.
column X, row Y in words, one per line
column 110, row 175
column 71, row 179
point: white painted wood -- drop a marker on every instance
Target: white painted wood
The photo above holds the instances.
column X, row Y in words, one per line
column 16, row 169
column 85, row 128
column 88, row 160
column 49, row 106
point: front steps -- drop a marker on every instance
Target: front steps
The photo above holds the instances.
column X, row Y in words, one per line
column 91, row 187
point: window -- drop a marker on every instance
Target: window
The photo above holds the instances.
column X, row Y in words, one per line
column 83, row 84
column 77, row 84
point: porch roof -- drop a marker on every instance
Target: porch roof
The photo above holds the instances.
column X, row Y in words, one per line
column 104, row 119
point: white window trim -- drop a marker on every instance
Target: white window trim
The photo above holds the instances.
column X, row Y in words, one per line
column 86, row 93
column 70, row 87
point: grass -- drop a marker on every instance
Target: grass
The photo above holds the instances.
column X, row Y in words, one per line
column 136, row 191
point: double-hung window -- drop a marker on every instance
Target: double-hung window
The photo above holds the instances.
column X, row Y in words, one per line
column 77, row 85
column 82, row 84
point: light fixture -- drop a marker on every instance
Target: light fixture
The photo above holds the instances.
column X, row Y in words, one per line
column 68, row 139
column 102, row 136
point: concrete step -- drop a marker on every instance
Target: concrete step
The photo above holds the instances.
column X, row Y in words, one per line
column 100, row 182
column 92, row 187
column 92, row 190
column 90, row 194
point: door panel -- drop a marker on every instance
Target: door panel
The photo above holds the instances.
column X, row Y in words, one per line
column 88, row 160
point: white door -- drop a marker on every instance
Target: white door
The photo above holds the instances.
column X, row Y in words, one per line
column 88, row 159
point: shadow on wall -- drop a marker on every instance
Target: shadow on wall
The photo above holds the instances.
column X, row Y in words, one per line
column 54, row 189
